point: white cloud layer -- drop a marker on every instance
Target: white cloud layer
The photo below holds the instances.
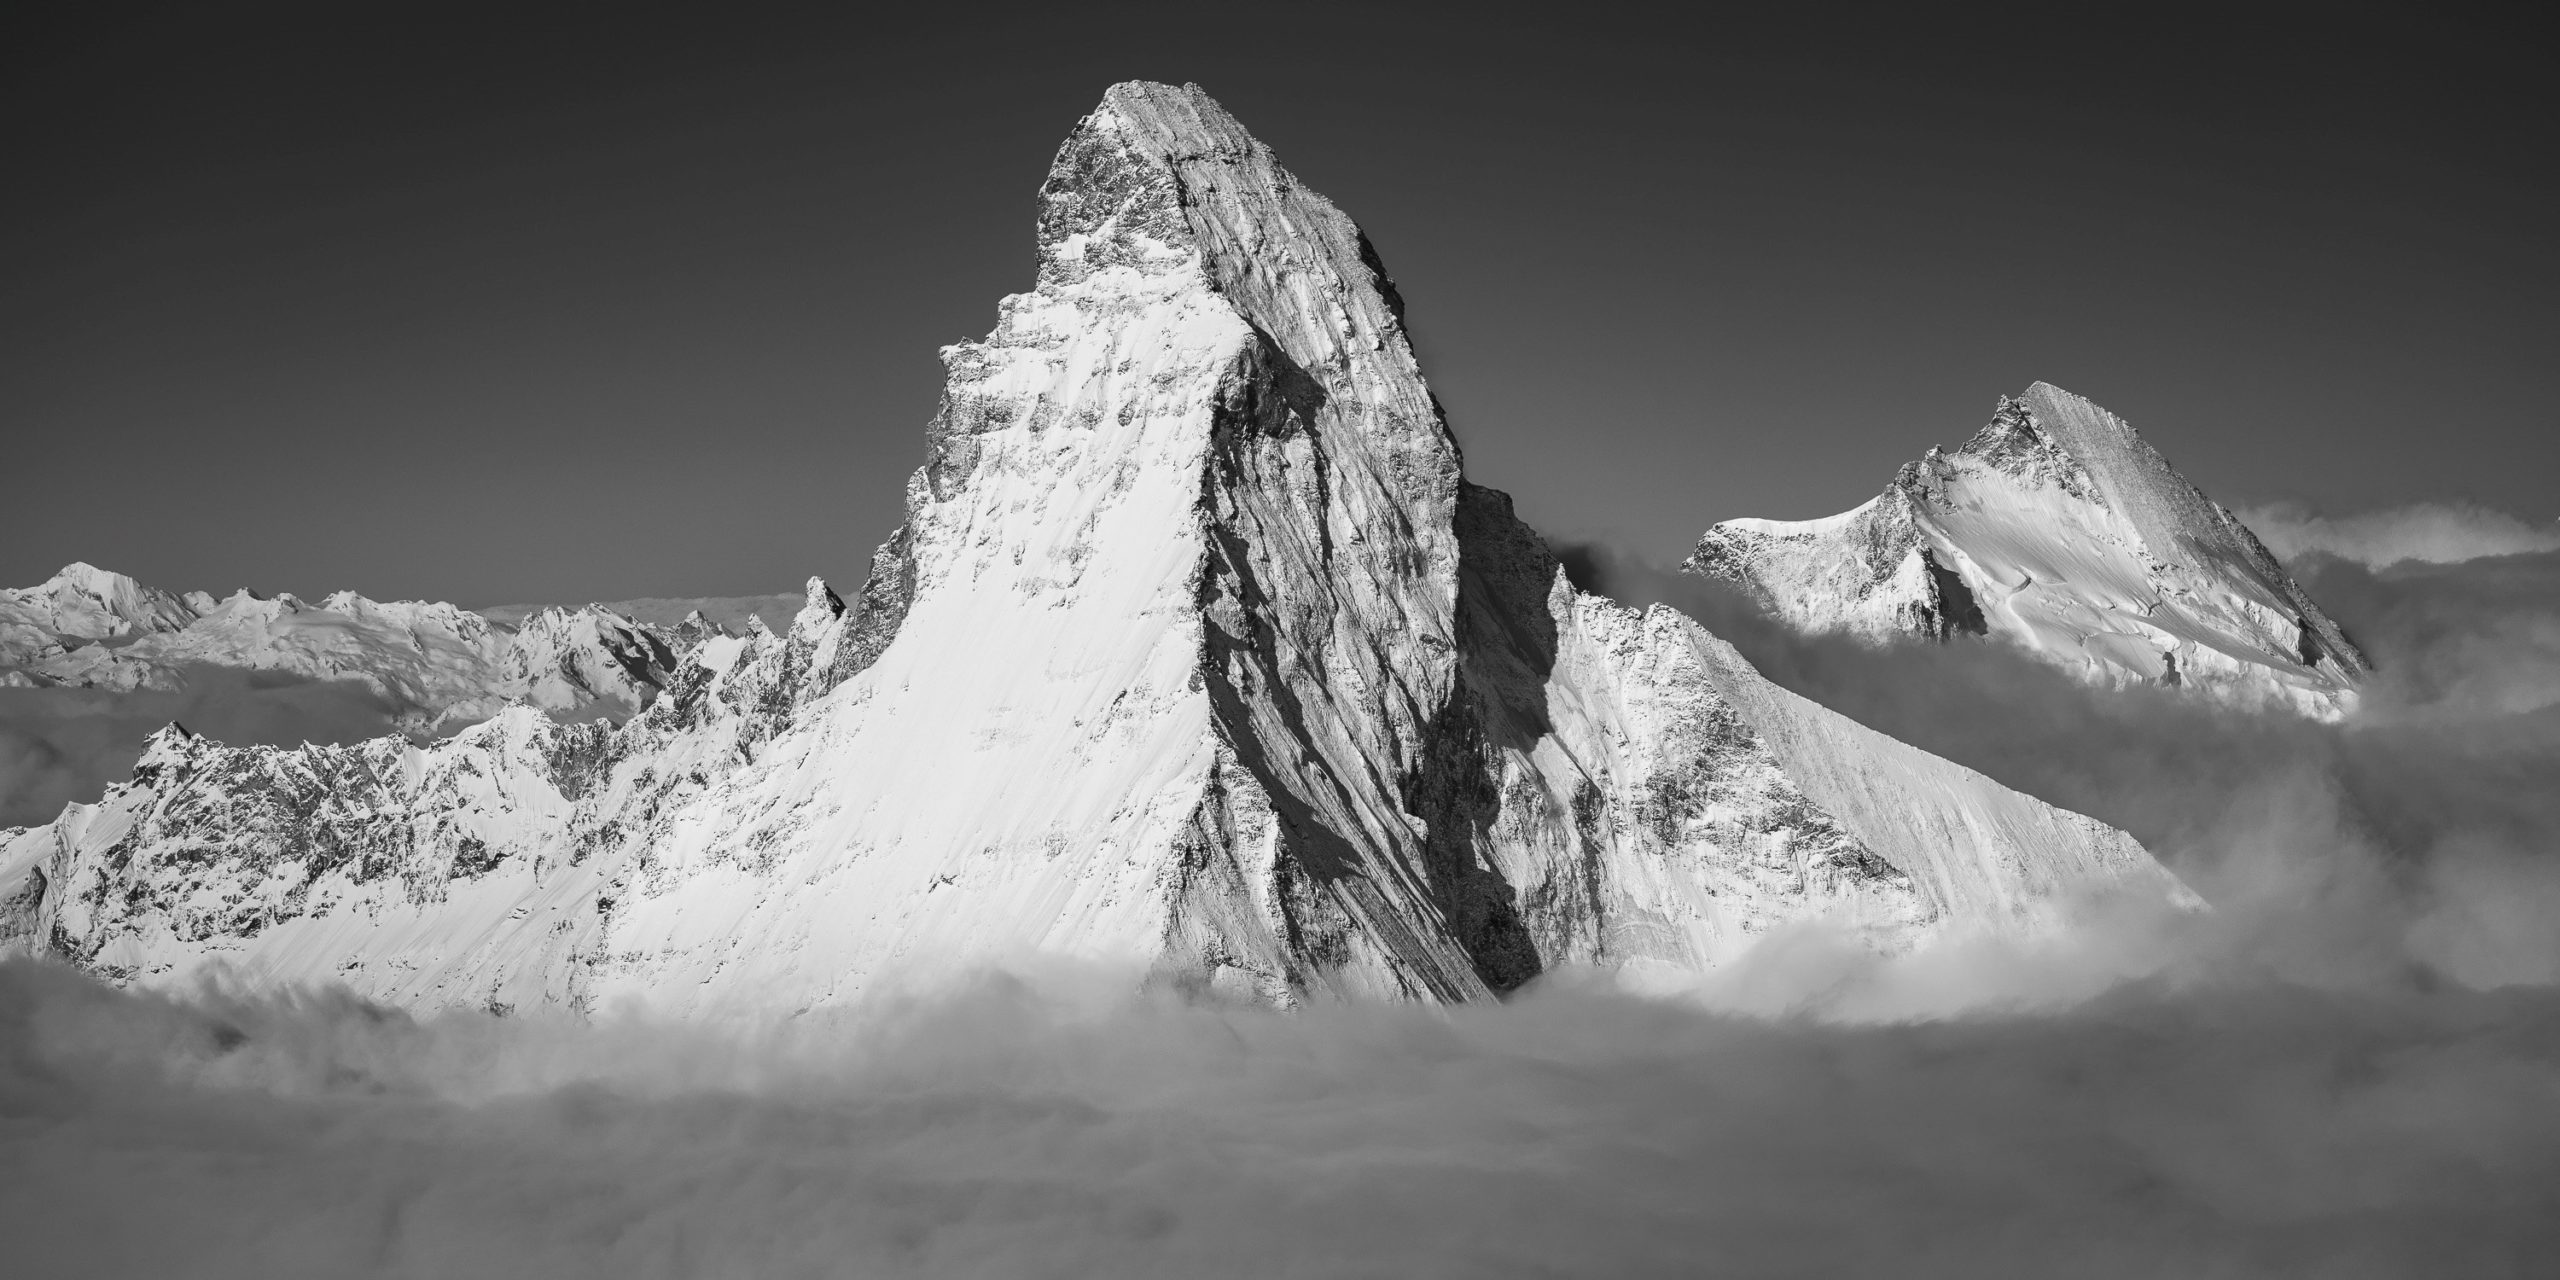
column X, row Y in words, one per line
column 2433, row 532
column 2176, row 1126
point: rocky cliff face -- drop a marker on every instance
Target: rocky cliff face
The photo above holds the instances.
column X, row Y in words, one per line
column 1194, row 653
column 2058, row 529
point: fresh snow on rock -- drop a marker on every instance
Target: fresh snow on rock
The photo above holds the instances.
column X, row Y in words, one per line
column 2058, row 529
column 1194, row 653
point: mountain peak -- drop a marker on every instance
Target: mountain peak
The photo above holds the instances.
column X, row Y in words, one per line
column 2059, row 528
column 170, row 744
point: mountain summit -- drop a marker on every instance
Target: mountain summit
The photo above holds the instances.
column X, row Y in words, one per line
column 1194, row 653
column 2058, row 529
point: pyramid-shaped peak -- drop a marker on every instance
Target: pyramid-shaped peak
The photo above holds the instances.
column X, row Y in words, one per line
column 85, row 601
column 170, row 744
column 2072, row 441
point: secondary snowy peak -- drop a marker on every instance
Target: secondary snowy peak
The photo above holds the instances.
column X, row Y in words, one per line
column 85, row 604
column 1637, row 795
column 2057, row 528
column 435, row 665
column 1193, row 653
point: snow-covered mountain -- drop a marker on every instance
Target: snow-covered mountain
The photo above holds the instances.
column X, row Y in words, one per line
column 84, row 604
column 437, row 665
column 2058, row 529
column 1195, row 652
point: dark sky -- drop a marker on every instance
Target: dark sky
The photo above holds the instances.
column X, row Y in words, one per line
column 498, row 304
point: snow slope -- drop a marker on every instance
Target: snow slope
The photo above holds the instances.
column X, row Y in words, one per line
column 1195, row 653
column 2058, row 529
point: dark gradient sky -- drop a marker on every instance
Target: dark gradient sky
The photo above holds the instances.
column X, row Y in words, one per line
column 502, row 304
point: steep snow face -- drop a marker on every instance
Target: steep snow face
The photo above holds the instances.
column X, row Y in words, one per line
column 439, row 665
column 1193, row 654
column 2059, row 529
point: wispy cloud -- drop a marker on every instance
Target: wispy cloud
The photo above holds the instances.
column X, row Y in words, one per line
column 2433, row 532
column 1069, row 1128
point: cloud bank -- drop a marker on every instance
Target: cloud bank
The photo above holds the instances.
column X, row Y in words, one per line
column 2431, row 532
column 1064, row 1127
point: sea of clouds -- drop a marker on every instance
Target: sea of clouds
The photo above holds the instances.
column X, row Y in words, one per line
column 2351, row 1067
